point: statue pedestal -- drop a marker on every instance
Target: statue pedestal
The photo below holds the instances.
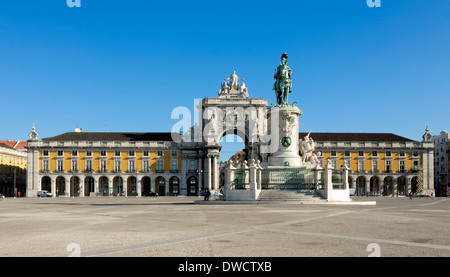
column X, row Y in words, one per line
column 284, row 128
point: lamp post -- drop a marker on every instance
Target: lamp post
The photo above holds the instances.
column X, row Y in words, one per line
column 199, row 179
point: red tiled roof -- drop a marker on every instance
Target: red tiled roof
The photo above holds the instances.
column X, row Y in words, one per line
column 17, row 144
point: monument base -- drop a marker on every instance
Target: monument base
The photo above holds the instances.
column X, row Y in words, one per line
column 284, row 127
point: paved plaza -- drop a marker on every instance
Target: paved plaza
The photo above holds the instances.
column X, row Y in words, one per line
column 186, row 227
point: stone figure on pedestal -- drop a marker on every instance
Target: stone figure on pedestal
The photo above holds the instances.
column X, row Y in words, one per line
column 234, row 80
column 233, row 88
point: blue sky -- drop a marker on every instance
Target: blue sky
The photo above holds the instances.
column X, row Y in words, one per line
column 123, row 66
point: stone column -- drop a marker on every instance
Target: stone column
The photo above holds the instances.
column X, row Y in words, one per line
column 200, row 173
column 110, row 186
column 67, row 187
column 215, row 165
column 381, row 184
column 167, row 186
column 96, row 186
column 125, row 187
column 183, row 185
column 153, row 183
column 81, row 187
column 252, row 179
column 328, row 182
column 139, row 187
column 408, row 185
column 208, row 171
column 53, row 184
column 394, row 187
column 229, row 176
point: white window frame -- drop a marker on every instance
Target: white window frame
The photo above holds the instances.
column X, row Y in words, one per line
column 145, row 165
column 88, row 165
column 131, row 165
column 59, row 165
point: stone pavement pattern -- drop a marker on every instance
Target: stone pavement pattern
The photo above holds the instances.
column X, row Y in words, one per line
column 176, row 227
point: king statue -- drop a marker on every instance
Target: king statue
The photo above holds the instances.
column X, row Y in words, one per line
column 283, row 82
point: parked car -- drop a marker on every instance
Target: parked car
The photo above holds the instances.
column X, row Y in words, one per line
column 352, row 192
column 215, row 193
column 43, row 193
column 149, row 193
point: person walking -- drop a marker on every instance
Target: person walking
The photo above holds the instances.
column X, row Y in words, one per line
column 410, row 195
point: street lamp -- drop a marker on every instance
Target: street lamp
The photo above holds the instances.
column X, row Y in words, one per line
column 199, row 179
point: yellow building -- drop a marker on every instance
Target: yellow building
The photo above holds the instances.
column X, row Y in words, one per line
column 104, row 164
column 380, row 163
column 13, row 166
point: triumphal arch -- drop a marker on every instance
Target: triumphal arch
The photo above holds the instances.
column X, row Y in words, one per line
column 275, row 157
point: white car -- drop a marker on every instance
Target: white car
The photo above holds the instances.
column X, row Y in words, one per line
column 215, row 193
column 43, row 193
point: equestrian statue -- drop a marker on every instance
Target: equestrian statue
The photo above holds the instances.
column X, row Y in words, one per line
column 283, row 82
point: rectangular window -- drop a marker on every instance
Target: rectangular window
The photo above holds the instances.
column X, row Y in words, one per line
column 174, row 153
column 347, row 153
column 74, row 166
column 192, row 167
column 174, row 166
column 117, row 153
column 102, row 165
column 402, row 153
column 416, row 165
column 333, row 153
column 131, row 153
column 374, row 166
column 361, row 153
column 89, row 165
column 402, row 166
column 60, row 165
column 131, row 166
column 146, row 166
column 388, row 166
column 416, row 153
column 45, row 165
column 117, row 165
column 103, row 153
column 89, row 153
column 60, row 153
column 374, row 153
column 145, row 153
column 159, row 153
column 74, row 153
column 361, row 166
column 388, row 153
column 160, row 166
column 45, row 153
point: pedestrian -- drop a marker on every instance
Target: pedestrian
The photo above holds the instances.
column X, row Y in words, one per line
column 208, row 193
column 410, row 195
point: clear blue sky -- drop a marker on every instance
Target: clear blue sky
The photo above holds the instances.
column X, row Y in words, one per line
column 122, row 66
